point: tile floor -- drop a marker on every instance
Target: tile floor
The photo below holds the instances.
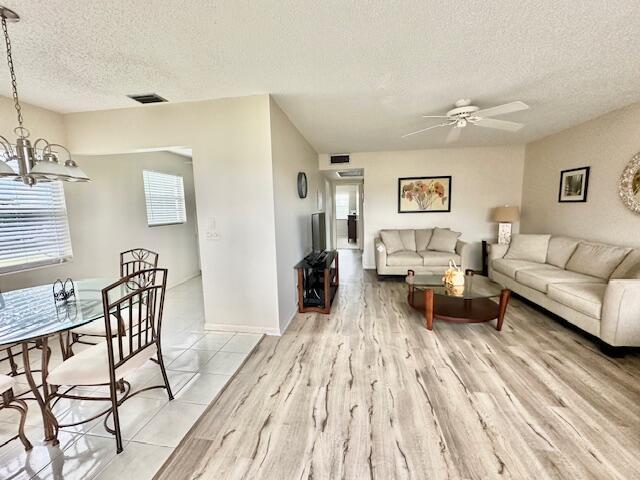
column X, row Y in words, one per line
column 199, row 364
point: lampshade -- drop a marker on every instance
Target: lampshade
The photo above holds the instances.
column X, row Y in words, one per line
column 6, row 170
column 506, row 214
column 49, row 169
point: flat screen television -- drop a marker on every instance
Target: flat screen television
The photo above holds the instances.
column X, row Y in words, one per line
column 318, row 232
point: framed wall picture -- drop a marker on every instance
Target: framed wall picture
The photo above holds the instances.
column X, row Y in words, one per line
column 424, row 194
column 574, row 184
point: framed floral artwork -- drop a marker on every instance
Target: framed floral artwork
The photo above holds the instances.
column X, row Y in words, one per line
column 424, row 194
column 574, row 184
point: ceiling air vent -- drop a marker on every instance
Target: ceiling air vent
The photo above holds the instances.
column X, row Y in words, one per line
column 147, row 98
column 350, row 173
column 339, row 158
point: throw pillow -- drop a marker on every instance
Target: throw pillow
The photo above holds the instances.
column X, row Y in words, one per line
column 443, row 240
column 560, row 250
column 596, row 259
column 423, row 237
column 532, row 248
column 408, row 238
column 392, row 241
column 630, row 266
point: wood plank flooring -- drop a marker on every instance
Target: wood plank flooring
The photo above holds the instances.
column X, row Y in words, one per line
column 369, row 393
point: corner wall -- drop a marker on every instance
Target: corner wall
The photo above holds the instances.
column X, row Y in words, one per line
column 482, row 178
column 291, row 153
column 231, row 143
column 606, row 144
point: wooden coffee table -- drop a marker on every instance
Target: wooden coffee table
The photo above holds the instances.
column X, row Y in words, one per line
column 471, row 303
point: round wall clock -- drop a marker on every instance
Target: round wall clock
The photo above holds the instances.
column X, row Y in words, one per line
column 302, row 185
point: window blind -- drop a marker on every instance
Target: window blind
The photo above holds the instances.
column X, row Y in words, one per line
column 164, row 195
column 342, row 206
column 34, row 229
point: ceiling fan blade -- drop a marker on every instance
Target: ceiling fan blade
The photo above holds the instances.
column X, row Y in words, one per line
column 499, row 124
column 501, row 109
column 454, row 134
column 425, row 129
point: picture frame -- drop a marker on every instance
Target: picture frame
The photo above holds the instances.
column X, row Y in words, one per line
column 574, row 185
column 424, row 194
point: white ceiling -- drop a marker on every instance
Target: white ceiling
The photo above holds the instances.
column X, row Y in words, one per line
column 353, row 76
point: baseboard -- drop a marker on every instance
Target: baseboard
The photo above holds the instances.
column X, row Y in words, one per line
column 224, row 327
column 185, row 280
column 291, row 317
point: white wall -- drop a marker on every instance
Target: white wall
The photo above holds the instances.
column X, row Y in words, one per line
column 108, row 216
column 483, row 178
column 605, row 144
column 291, row 154
column 231, row 143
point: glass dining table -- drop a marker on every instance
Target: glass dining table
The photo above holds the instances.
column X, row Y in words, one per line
column 32, row 316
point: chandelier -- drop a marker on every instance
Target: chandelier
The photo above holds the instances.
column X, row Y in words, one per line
column 38, row 161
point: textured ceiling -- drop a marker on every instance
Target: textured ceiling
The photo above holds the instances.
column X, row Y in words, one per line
column 353, row 76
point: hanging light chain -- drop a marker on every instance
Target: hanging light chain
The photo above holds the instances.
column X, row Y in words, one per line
column 14, row 81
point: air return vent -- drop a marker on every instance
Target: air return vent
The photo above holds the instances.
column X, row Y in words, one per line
column 350, row 173
column 147, row 98
column 339, row 158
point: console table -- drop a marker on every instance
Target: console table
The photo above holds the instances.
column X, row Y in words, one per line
column 317, row 283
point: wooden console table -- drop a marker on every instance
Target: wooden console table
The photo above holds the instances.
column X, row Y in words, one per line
column 317, row 283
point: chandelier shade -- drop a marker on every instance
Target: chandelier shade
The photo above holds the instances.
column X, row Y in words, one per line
column 37, row 162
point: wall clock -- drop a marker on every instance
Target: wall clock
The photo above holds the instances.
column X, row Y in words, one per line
column 302, row 185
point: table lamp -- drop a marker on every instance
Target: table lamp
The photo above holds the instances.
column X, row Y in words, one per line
column 505, row 216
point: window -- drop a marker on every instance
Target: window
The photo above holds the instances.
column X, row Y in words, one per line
column 34, row 229
column 165, row 198
column 342, row 205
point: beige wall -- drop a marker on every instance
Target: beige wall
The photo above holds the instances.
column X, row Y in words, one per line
column 231, row 144
column 483, row 178
column 109, row 215
column 291, row 154
column 605, row 144
column 43, row 123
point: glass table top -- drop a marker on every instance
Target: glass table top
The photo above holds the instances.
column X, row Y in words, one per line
column 475, row 286
column 32, row 313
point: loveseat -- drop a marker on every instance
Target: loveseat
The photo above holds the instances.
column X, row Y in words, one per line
column 426, row 251
column 593, row 286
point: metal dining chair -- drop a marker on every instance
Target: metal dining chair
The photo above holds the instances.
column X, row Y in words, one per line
column 109, row 363
column 8, row 400
column 131, row 261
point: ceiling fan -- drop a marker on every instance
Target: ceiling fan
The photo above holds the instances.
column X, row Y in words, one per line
column 464, row 114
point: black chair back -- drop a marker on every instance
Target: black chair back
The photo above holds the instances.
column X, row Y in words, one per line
column 137, row 259
column 137, row 300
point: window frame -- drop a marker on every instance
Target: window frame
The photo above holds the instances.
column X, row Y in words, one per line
column 146, row 200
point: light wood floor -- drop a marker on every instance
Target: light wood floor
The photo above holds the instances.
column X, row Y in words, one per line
column 368, row 392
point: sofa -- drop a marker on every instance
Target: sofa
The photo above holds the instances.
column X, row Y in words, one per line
column 426, row 251
column 593, row 286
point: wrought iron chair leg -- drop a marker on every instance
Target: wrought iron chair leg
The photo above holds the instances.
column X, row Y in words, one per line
column 116, row 417
column 164, row 374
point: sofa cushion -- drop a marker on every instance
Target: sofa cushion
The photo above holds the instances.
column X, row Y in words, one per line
column 404, row 258
column 584, row 297
column 443, row 240
column 630, row 266
column 433, row 258
column 532, row 248
column 408, row 238
column 540, row 278
column 423, row 237
column 392, row 241
column 596, row 259
column 560, row 250
column 510, row 267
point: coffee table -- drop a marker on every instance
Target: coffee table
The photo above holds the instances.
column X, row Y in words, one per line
column 471, row 303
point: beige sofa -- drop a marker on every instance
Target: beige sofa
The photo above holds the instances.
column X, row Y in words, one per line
column 593, row 286
column 414, row 252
